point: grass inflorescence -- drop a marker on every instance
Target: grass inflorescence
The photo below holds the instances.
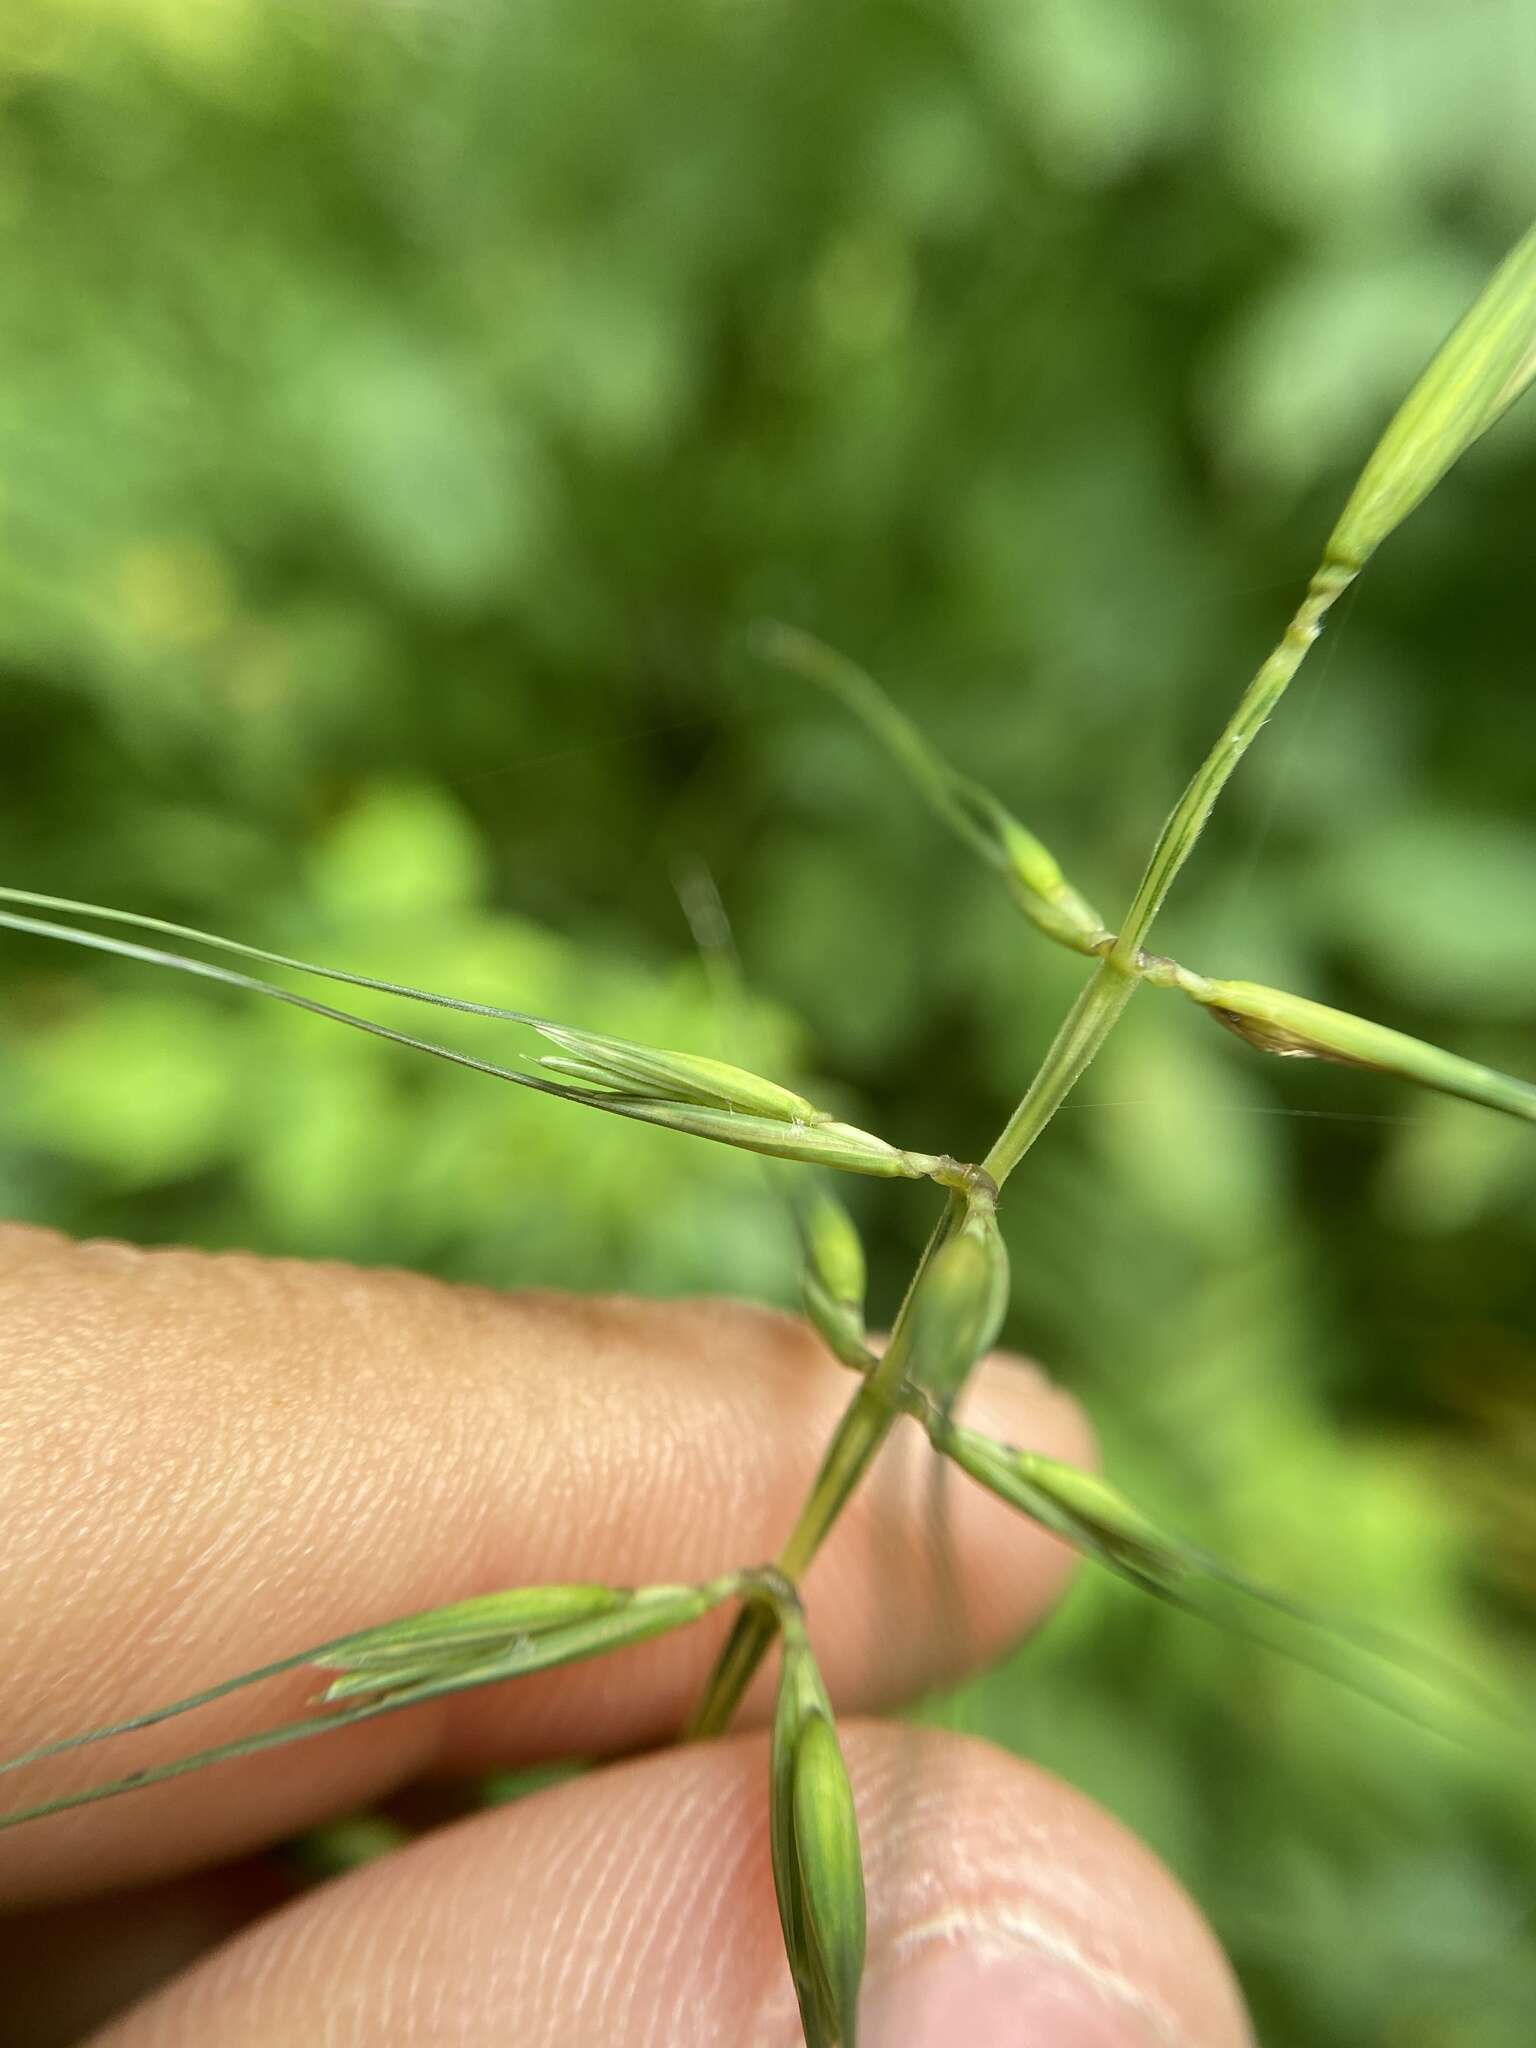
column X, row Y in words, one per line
column 954, row 1304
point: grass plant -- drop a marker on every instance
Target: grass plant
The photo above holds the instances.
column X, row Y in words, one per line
column 953, row 1306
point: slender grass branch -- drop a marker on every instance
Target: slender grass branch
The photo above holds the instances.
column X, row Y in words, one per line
column 862, row 1429
column 1177, row 840
column 1088, row 1023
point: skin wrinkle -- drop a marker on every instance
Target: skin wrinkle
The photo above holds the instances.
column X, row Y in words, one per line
column 597, row 1909
column 567, row 1982
column 732, row 1863
column 717, row 1980
column 421, row 1991
column 1002, row 1933
column 698, row 1882
column 655, row 1940
column 705, row 1858
column 698, row 1846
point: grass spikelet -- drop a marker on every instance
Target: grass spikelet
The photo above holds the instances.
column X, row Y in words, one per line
column 675, row 1076
column 1483, row 367
column 490, row 1621
column 1029, row 869
column 1292, row 1027
column 1097, row 1519
column 958, row 1307
column 843, row 1147
column 833, row 1280
column 404, row 1663
column 821, row 1142
column 818, row 1871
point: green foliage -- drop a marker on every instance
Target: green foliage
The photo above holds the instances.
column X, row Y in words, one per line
column 396, row 422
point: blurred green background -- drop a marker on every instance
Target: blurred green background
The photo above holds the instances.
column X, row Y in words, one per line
column 403, row 408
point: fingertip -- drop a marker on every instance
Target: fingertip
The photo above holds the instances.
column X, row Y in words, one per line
column 1015, row 1910
column 637, row 1907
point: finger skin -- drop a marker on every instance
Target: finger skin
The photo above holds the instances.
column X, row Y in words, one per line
column 636, row 1910
column 213, row 1461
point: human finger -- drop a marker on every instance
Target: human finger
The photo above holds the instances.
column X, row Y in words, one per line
column 212, row 1461
column 636, row 1907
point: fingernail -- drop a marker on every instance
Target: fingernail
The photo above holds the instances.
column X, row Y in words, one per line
column 1000, row 2002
